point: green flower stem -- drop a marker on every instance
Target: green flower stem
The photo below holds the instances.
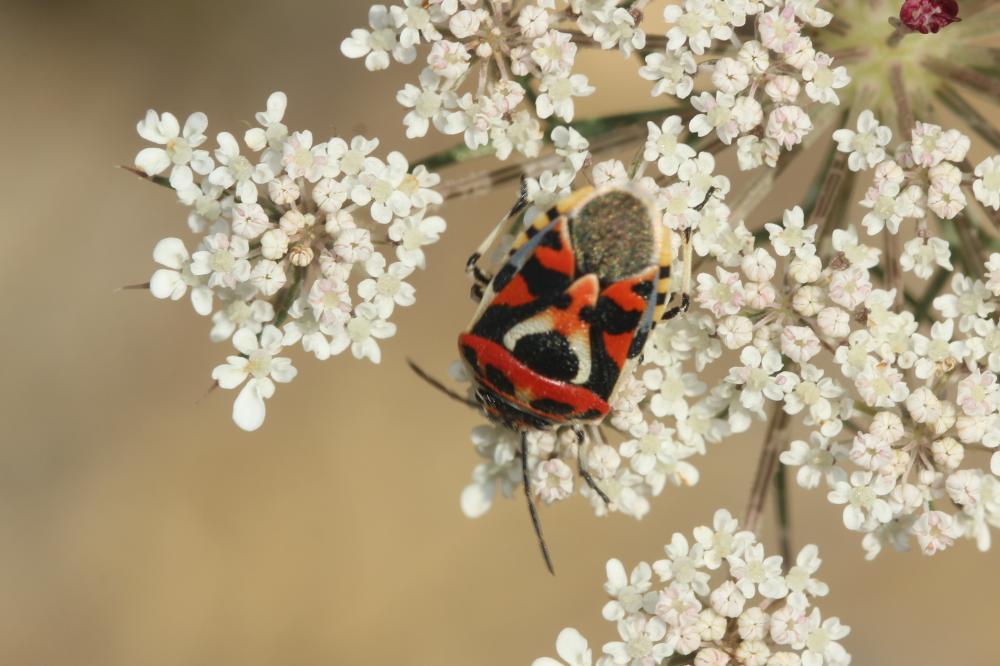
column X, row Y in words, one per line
column 973, row 79
column 783, row 515
column 934, row 287
column 767, row 466
column 971, row 252
column 606, row 133
column 162, row 181
column 590, row 128
column 288, row 296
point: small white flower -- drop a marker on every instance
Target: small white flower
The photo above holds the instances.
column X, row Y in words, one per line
column 376, row 45
column 792, row 234
column 986, row 186
column 663, row 146
column 386, row 288
column 236, row 170
column 556, row 95
column 268, row 277
column 788, row 125
column 571, row 647
column 362, row 332
column 865, row 508
column 224, row 260
column 176, row 277
column 867, row 145
column 412, row 233
column 259, row 362
column 179, row 152
column 817, row 460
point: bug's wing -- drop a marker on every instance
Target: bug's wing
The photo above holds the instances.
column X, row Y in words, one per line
column 538, row 271
column 621, row 323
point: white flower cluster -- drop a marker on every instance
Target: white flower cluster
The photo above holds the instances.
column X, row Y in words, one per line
column 914, row 403
column 924, row 175
column 485, row 59
column 488, row 46
column 764, row 89
column 303, row 243
column 930, row 398
column 715, row 600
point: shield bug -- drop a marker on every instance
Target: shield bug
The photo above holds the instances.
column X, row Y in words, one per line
column 568, row 314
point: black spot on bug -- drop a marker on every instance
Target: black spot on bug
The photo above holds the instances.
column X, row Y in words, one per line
column 563, row 301
column 495, row 376
column 503, row 277
column 469, row 354
column 548, row 406
column 611, row 318
column 588, row 415
column 638, row 342
column 548, row 354
column 644, row 288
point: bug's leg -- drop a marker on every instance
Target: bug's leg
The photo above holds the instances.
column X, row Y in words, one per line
column 480, row 278
column 584, row 474
column 686, row 284
column 536, row 523
column 688, row 253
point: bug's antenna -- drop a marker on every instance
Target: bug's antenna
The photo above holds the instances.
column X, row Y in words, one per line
column 439, row 386
column 531, row 504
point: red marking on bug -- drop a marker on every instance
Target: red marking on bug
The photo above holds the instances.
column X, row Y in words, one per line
column 623, row 295
column 582, row 293
column 529, row 384
column 515, row 293
column 561, row 259
column 618, row 346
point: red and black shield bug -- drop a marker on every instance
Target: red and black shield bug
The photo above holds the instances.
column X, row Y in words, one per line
column 568, row 314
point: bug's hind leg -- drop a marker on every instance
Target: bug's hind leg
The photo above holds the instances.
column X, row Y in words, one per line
column 584, row 474
column 687, row 253
column 685, row 303
column 479, row 277
column 535, row 522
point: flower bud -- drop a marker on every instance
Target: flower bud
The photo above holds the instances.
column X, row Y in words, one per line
column 300, row 255
column 926, row 16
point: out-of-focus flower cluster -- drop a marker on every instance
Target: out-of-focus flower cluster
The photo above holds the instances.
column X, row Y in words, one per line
column 715, row 600
column 495, row 72
column 302, row 242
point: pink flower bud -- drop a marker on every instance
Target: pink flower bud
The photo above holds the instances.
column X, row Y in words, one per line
column 928, row 15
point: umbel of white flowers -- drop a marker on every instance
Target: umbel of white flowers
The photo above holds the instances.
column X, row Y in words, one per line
column 301, row 243
column 715, row 600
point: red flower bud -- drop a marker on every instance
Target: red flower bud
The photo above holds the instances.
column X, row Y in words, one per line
column 928, row 15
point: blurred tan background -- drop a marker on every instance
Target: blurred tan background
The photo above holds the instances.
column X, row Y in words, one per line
column 138, row 528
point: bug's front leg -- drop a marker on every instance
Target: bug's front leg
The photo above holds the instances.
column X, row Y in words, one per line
column 479, row 277
column 686, row 284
